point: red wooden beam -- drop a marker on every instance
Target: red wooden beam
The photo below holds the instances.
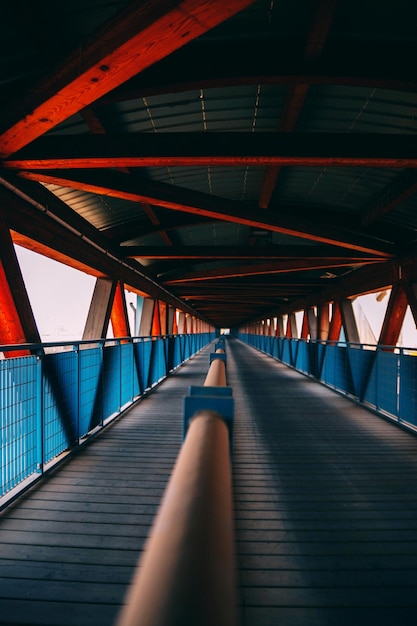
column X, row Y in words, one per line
column 305, row 328
column 335, row 323
column 119, row 317
column 11, row 330
column 170, row 197
column 156, row 320
column 292, row 265
column 283, row 253
column 394, row 316
column 139, row 36
column 17, row 323
column 231, row 149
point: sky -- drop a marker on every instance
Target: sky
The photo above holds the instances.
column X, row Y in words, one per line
column 60, row 297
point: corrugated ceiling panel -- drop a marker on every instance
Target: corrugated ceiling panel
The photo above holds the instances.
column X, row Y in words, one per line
column 339, row 188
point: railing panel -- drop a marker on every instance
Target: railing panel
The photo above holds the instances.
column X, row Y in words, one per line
column 286, row 352
column 361, row 363
column 157, row 364
column 50, row 402
column 111, row 377
column 388, row 383
column 408, row 389
column 128, row 374
column 19, row 453
column 60, row 403
column 90, row 366
column 302, row 357
column 383, row 378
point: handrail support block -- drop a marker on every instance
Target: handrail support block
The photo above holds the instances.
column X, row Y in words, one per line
column 217, row 399
column 221, row 356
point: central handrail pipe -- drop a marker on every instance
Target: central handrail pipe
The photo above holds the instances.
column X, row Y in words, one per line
column 186, row 575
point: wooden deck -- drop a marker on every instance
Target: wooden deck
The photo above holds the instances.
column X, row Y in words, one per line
column 325, row 499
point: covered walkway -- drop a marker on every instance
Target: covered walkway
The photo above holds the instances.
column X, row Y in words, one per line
column 325, row 503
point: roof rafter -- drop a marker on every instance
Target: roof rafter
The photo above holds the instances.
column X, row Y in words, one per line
column 290, row 265
column 217, row 149
column 322, row 253
column 139, row 36
column 170, row 197
column 66, row 244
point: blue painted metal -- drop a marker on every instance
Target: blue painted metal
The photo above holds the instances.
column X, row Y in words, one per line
column 380, row 377
column 18, row 421
column 204, row 398
column 219, row 356
column 408, row 389
column 50, row 403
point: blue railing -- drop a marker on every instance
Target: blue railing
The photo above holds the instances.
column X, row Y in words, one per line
column 51, row 401
column 382, row 378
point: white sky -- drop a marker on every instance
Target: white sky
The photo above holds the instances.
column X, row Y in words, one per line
column 60, row 296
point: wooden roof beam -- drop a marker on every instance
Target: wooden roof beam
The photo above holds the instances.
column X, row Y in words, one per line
column 291, row 265
column 314, row 253
column 171, row 197
column 139, row 36
column 237, row 149
column 319, row 28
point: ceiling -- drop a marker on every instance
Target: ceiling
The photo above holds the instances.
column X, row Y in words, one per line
column 237, row 159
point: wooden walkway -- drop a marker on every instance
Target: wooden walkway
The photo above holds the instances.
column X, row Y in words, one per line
column 325, row 499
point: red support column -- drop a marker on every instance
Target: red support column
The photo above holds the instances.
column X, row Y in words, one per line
column 119, row 317
column 156, row 321
column 312, row 323
column 163, row 317
column 304, row 327
column 175, row 323
column 323, row 318
column 17, row 323
column 335, row 323
column 280, row 327
column 11, row 330
column 394, row 316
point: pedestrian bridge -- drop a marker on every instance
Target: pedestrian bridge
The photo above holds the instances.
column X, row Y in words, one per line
column 325, row 506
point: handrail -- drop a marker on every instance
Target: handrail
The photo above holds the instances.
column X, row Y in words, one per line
column 186, row 575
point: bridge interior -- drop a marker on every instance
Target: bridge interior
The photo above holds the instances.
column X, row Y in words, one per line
column 324, row 497
column 246, row 165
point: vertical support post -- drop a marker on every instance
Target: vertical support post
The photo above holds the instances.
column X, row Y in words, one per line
column 39, row 414
column 163, row 317
column 100, row 309
column 145, row 324
column 171, row 320
column 394, row 316
column 119, row 316
column 312, row 323
column 305, row 327
column 17, row 322
column 323, row 317
column 291, row 326
column 156, row 321
column 349, row 321
column 335, row 323
column 181, row 323
column 280, row 327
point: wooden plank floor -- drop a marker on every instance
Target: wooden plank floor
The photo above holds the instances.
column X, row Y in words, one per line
column 326, row 503
column 325, row 500
column 69, row 547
